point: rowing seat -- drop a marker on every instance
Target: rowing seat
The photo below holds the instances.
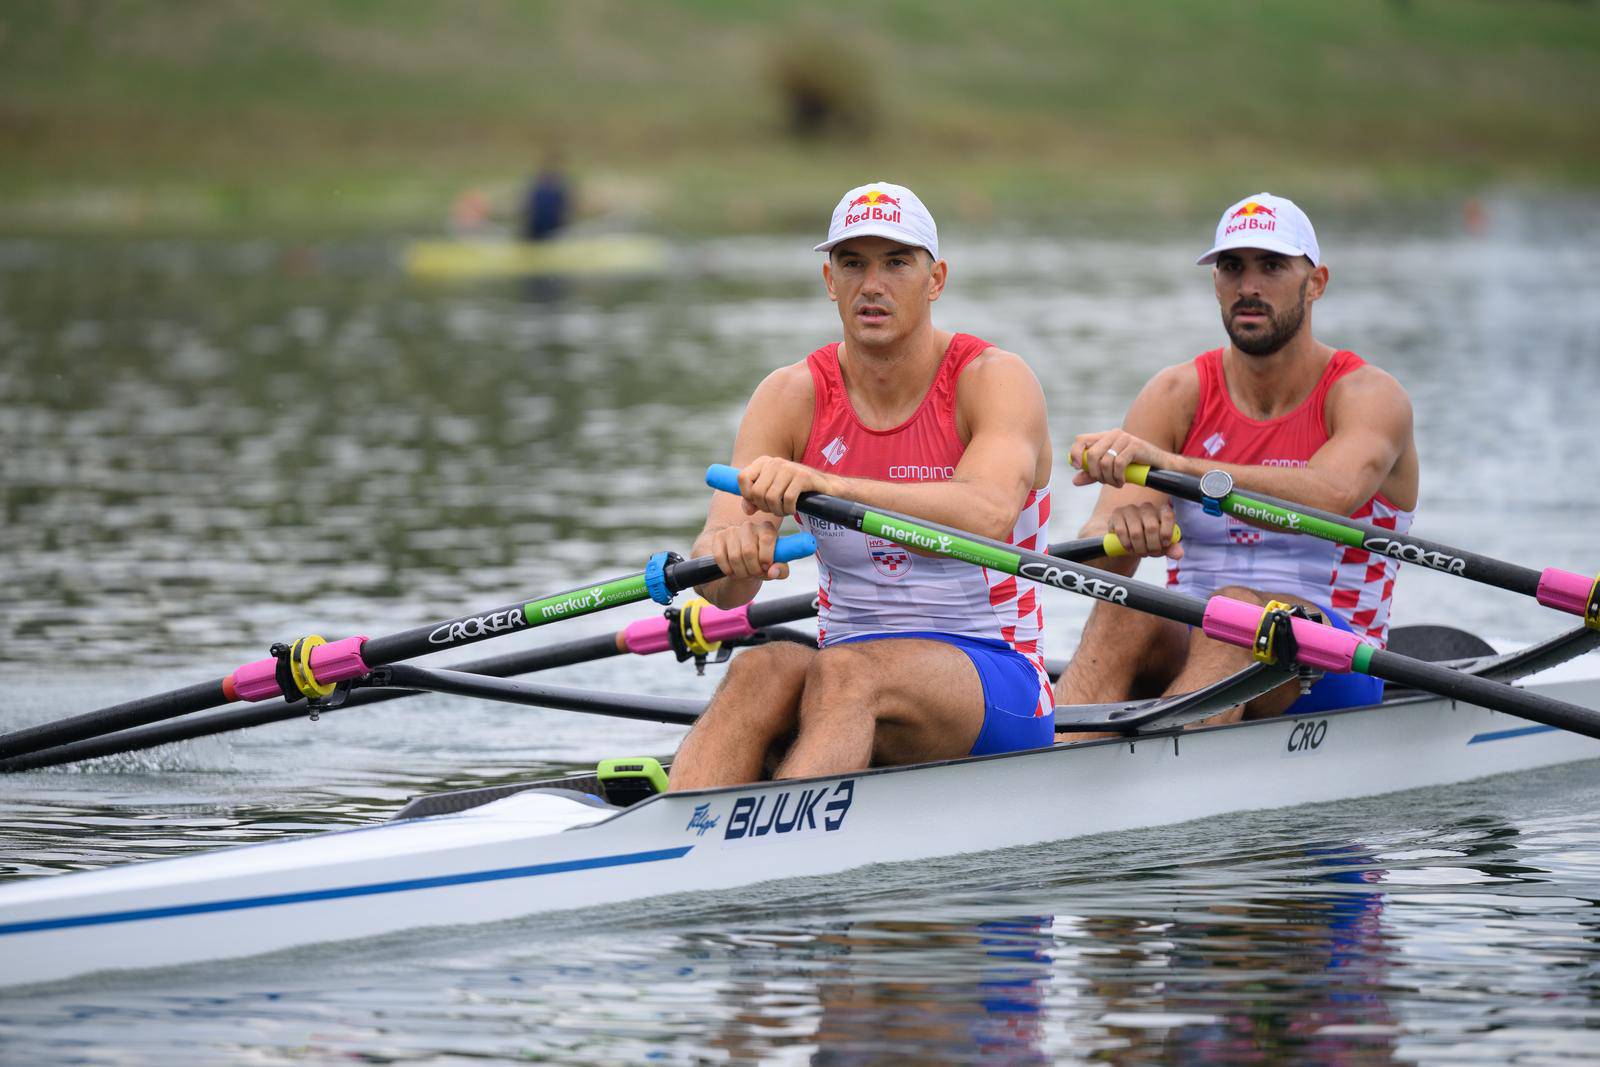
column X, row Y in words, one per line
column 1437, row 644
column 459, row 800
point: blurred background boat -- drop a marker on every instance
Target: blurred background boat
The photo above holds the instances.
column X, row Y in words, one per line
column 575, row 255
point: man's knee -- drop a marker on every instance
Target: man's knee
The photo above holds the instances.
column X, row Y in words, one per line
column 1239, row 592
column 775, row 662
column 1123, row 653
column 840, row 680
column 1123, row 635
column 762, row 687
column 838, row 667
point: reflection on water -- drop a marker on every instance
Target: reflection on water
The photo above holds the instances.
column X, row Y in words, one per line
column 208, row 446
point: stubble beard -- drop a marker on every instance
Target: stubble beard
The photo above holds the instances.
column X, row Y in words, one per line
column 1282, row 326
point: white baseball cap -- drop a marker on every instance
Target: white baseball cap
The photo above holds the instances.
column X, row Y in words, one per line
column 879, row 209
column 1274, row 223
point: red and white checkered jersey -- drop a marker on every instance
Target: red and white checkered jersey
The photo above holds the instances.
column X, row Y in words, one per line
column 1221, row 550
column 873, row 586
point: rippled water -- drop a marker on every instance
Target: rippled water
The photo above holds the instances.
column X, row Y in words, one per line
column 205, row 447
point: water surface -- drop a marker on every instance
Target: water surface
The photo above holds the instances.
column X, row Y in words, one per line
column 209, row 446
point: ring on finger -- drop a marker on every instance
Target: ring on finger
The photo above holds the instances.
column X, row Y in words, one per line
column 1111, row 453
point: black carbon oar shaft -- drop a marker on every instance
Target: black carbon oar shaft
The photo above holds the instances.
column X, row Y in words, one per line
column 178, row 702
column 761, row 615
column 581, row 651
column 674, row 710
column 353, row 657
column 1470, row 689
column 1322, row 641
column 1406, row 547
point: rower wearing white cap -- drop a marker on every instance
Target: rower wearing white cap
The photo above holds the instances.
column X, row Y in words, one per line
column 922, row 658
column 1285, row 415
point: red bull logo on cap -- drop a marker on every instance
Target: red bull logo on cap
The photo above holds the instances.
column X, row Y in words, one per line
column 1253, row 208
column 1251, row 216
column 875, row 206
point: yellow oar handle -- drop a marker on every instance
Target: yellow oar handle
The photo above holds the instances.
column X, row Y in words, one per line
column 1134, row 474
column 1114, row 546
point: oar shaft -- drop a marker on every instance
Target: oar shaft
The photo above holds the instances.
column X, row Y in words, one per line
column 642, row 637
column 1223, row 618
column 1059, row 571
column 164, row 733
column 1430, row 677
column 755, row 616
column 354, row 657
column 196, row 697
column 675, row 710
column 1326, row 648
column 584, row 600
column 1562, row 590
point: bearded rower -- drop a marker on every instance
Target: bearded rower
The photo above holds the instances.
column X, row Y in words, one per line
column 1283, row 414
column 921, row 658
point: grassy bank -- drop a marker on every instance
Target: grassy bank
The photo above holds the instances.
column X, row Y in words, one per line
column 184, row 114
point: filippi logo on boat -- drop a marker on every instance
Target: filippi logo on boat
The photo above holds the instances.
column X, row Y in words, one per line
column 702, row 819
column 818, row 809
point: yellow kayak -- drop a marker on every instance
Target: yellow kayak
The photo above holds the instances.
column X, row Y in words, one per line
column 605, row 254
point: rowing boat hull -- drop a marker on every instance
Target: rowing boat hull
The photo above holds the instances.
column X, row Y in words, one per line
column 545, row 851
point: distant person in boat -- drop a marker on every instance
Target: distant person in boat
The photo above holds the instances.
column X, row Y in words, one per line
column 921, row 658
column 1286, row 416
column 470, row 213
column 547, row 203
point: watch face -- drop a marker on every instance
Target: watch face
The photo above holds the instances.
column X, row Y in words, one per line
column 1216, row 484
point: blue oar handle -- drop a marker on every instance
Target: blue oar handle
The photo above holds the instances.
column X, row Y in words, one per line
column 723, row 477
column 789, row 547
column 793, row 546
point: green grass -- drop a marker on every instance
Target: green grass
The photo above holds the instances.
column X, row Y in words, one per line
column 359, row 114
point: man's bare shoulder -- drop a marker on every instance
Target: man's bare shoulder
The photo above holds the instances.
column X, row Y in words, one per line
column 788, row 387
column 1368, row 381
column 1367, row 396
column 1164, row 409
column 997, row 377
column 777, row 420
column 997, row 363
column 1177, row 386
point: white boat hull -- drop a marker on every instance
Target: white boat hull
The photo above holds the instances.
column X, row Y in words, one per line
column 538, row 851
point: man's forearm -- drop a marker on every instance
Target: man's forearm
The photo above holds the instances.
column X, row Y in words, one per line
column 1302, row 485
column 980, row 509
column 724, row 592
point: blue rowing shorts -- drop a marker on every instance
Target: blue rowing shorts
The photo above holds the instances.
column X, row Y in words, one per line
column 1010, row 692
column 1334, row 691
